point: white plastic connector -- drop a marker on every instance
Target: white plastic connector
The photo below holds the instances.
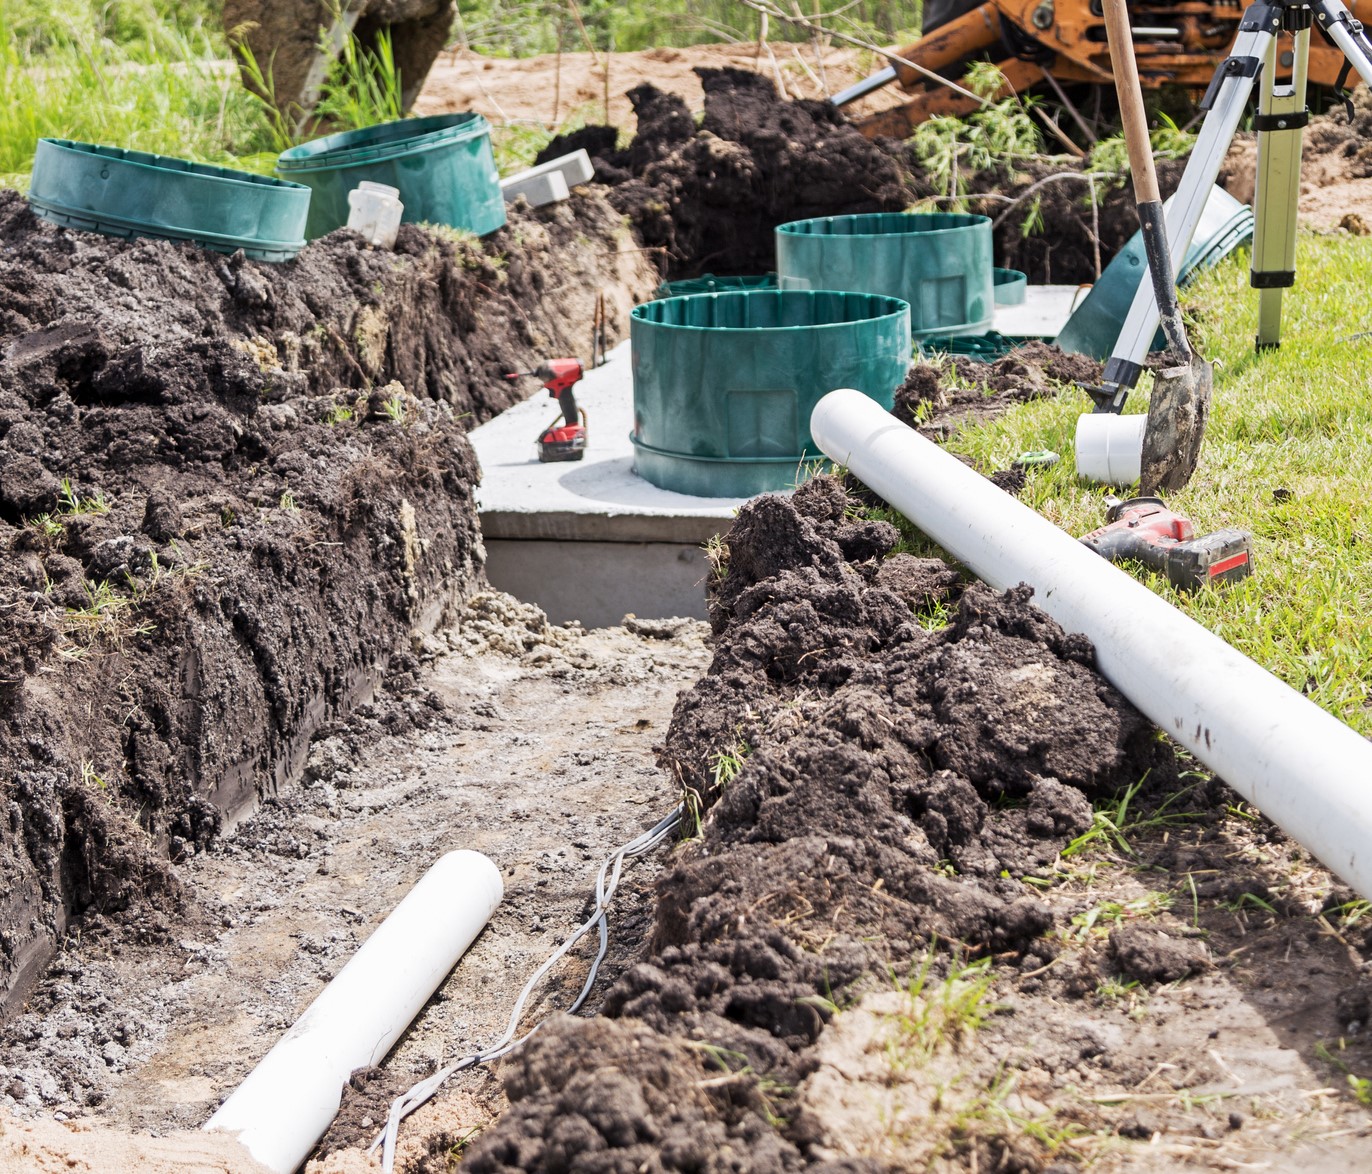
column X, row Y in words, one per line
column 374, row 210
column 1110, row 448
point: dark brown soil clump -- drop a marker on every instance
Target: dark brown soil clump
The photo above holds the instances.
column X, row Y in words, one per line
column 229, row 493
column 711, row 196
column 646, row 1101
column 938, row 397
column 1051, row 233
column 866, row 786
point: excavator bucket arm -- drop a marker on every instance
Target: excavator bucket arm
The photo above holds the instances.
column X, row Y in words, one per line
column 1177, row 42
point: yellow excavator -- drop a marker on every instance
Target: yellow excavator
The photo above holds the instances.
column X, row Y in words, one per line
column 1061, row 43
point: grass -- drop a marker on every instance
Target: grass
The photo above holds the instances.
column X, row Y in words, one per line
column 364, row 86
column 724, row 766
column 107, row 615
column 1099, row 920
column 1287, row 454
column 1360, row 1087
column 946, row 1013
column 158, row 77
column 1113, row 821
column 521, row 28
column 158, row 85
column 77, row 505
column 736, row 1070
column 49, row 525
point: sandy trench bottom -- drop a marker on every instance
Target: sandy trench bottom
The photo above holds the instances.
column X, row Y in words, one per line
column 542, row 759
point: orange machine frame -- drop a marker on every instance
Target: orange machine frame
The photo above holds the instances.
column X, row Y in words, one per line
column 1178, row 44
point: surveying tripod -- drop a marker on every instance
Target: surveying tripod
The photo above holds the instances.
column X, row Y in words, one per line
column 1280, row 121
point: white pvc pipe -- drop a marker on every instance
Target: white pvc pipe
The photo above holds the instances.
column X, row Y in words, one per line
column 287, row 1102
column 1305, row 769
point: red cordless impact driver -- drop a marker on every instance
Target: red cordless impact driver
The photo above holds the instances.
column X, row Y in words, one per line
column 565, row 442
column 1145, row 530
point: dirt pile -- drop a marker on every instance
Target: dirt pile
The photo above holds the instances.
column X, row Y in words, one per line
column 711, row 196
column 868, row 782
column 938, row 397
column 1048, row 230
column 228, row 493
column 1336, row 167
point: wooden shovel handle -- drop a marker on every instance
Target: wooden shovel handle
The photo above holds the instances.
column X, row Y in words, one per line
column 1120, row 37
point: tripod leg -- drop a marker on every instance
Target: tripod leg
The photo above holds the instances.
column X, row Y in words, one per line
column 1348, row 33
column 1280, row 124
column 1227, row 101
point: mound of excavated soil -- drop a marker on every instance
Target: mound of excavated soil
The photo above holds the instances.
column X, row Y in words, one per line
column 887, row 782
column 228, row 493
column 711, row 195
column 938, row 397
column 1336, row 168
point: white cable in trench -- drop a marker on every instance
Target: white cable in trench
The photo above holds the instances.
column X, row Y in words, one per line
column 612, row 867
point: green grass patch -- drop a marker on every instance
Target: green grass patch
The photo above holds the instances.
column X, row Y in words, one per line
column 152, row 76
column 523, row 28
column 1287, row 456
column 128, row 75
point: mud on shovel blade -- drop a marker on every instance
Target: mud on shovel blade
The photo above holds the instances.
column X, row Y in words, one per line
column 1180, row 401
column 1179, row 404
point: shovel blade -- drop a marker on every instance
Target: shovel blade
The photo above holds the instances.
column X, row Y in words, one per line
column 1178, row 409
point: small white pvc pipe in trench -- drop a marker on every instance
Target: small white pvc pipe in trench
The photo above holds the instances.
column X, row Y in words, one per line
column 287, row 1102
column 1303, row 768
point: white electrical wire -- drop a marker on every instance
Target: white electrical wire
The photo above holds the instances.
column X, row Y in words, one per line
column 613, row 865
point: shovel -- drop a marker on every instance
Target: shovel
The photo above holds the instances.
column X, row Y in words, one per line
column 1180, row 402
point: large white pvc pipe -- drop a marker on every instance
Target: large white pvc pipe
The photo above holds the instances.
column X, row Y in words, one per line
column 287, row 1102
column 1306, row 770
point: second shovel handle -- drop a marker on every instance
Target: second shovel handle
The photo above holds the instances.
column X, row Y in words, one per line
column 1120, row 37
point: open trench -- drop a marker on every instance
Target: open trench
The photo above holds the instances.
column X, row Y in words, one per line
column 528, row 743
column 218, row 785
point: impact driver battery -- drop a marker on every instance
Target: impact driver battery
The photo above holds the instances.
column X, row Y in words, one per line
column 1144, row 530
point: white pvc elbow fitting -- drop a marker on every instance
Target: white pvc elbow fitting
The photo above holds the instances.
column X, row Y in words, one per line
column 1109, row 448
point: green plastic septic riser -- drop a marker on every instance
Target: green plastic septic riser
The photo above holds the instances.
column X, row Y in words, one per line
column 1095, row 325
column 724, row 383
column 709, row 283
column 1010, row 287
column 125, row 193
column 442, row 166
column 939, row 262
